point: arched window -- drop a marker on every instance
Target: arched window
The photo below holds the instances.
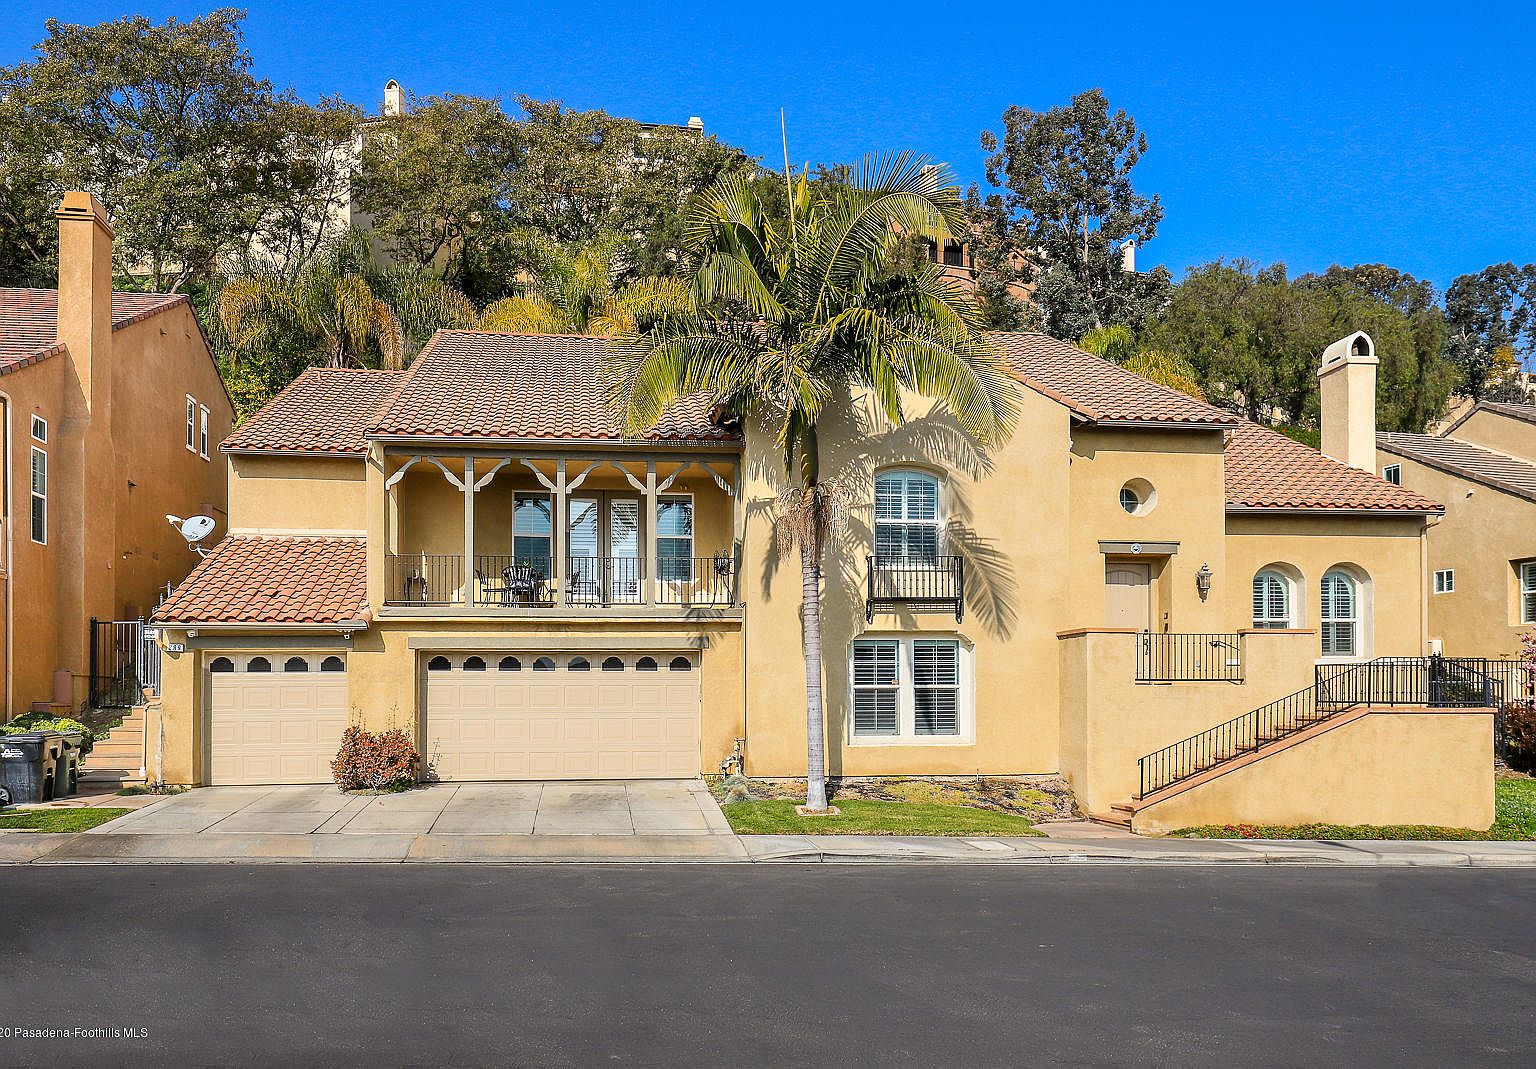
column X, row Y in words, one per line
column 510, row 664
column 296, row 664
column 438, row 664
column 1271, row 600
column 258, row 664
column 906, row 516
column 681, row 664
column 1341, row 615
column 645, row 664
column 613, row 664
column 222, row 664
column 333, row 664
column 579, row 664
column 474, row 664
column 543, row 664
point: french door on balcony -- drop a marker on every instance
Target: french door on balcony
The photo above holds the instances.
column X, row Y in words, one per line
column 604, row 542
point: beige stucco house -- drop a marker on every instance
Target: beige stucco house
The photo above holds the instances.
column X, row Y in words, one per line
column 111, row 411
column 473, row 550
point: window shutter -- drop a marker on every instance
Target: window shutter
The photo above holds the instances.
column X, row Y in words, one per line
column 936, row 687
column 875, row 681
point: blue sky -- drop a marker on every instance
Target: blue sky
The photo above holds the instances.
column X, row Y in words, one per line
column 1312, row 134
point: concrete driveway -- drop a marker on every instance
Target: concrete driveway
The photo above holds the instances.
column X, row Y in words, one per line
column 635, row 807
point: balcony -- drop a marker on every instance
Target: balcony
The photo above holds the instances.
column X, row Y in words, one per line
column 438, row 580
column 931, row 584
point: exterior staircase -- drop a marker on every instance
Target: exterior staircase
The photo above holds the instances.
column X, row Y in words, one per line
column 1339, row 693
column 119, row 756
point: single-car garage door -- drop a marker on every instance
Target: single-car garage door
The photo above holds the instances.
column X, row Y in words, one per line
column 275, row 718
column 562, row 716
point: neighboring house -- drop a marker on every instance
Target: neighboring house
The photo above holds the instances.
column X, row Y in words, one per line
column 111, row 406
column 1482, row 554
column 474, row 551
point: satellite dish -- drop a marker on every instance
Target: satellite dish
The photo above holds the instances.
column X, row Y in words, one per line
column 194, row 529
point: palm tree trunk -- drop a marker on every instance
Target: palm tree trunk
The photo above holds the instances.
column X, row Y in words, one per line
column 810, row 614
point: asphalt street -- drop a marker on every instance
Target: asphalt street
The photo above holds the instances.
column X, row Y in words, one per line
column 386, row 965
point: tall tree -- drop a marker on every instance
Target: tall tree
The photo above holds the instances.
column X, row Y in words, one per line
column 1491, row 320
column 166, row 123
column 1070, row 207
column 798, row 313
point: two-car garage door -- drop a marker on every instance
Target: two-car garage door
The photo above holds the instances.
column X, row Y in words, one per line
column 562, row 716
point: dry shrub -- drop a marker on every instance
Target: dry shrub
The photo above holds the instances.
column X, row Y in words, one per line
column 375, row 761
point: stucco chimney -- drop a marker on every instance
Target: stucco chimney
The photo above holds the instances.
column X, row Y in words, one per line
column 394, row 98
column 1347, row 379
column 696, row 124
column 85, row 294
column 1128, row 257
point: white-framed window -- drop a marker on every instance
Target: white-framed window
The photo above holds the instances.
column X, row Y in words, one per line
column 910, row 690
column 1528, row 592
column 674, row 537
column 202, row 431
column 1393, row 473
column 1445, row 580
column 1271, row 600
column 39, row 496
column 191, row 424
column 906, row 516
column 40, row 429
column 532, row 532
column 1341, row 615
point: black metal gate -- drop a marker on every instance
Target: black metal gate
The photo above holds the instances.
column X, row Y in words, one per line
column 124, row 660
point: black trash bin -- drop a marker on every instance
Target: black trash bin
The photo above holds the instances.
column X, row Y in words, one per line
column 66, row 775
column 28, row 765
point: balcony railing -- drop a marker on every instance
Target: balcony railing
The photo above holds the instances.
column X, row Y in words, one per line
column 1189, row 658
column 917, row 584
column 507, row 582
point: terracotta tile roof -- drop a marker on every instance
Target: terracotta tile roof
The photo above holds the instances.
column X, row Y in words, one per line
column 1096, row 389
column 324, row 410
column 475, row 384
column 29, row 321
column 272, row 580
column 1267, row 470
column 1452, row 455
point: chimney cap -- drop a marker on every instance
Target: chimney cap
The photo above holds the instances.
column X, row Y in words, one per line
column 79, row 204
column 1356, row 348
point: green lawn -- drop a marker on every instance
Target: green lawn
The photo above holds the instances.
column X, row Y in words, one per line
column 58, row 819
column 1514, row 803
column 863, row 817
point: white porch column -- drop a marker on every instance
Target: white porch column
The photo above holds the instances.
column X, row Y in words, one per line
column 557, row 541
column 651, row 585
column 469, row 531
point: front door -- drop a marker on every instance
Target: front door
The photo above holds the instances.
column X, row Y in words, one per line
column 1128, row 595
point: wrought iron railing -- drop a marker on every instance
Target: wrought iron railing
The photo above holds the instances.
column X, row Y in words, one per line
column 1189, row 658
column 1432, row 682
column 423, row 579
column 932, row 584
column 696, row 580
column 125, row 661
column 503, row 580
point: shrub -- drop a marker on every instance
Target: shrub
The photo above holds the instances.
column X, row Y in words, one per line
column 375, row 761
column 45, row 722
column 1520, row 735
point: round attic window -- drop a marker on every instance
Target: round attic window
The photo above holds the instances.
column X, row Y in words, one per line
column 1138, row 497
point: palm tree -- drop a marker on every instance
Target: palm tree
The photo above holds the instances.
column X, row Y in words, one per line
column 794, row 313
column 341, row 309
column 572, row 292
column 1118, row 345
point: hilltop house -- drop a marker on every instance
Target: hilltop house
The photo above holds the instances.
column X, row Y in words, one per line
column 111, row 405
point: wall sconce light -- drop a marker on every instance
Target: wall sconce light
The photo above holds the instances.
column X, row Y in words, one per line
column 1203, row 581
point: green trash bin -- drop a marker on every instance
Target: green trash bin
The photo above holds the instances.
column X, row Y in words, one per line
column 66, row 774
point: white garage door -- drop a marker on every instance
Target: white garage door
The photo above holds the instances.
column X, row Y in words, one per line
column 275, row 718
column 562, row 716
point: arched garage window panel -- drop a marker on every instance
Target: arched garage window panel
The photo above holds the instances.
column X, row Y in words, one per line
column 645, row 664
column 333, row 664
column 543, row 664
column 906, row 516
column 681, row 664
column 258, row 664
column 613, row 664
column 1340, row 616
column 296, row 664
column 438, row 664
column 222, row 664
column 580, row 664
column 474, row 664
column 1271, row 600
column 510, row 664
